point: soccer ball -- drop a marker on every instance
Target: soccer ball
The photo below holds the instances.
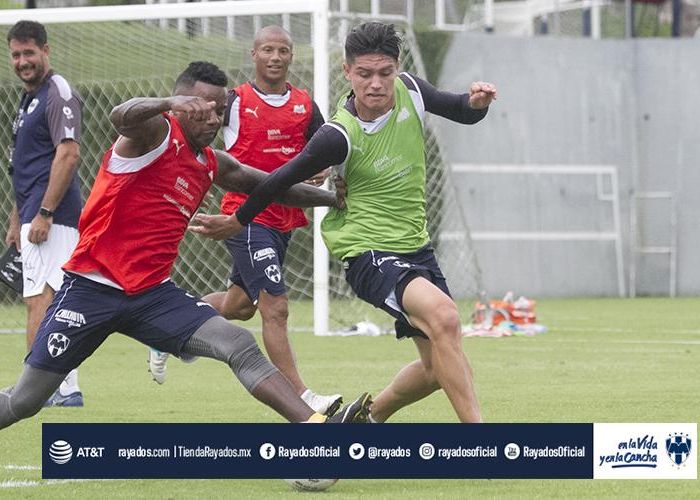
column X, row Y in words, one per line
column 310, row 484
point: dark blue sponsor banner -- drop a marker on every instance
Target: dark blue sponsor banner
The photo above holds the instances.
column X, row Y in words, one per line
column 150, row 451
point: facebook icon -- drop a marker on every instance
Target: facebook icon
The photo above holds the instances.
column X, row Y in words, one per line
column 267, row 451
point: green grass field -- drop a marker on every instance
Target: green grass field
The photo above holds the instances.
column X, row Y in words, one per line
column 602, row 361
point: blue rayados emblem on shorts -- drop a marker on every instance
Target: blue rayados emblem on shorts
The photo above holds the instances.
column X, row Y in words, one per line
column 57, row 344
column 678, row 447
column 273, row 273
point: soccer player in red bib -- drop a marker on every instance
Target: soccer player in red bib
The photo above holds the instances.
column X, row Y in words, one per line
column 267, row 122
column 148, row 188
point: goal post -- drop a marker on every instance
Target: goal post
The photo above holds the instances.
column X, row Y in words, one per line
column 321, row 96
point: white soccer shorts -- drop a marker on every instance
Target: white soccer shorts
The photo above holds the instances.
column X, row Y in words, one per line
column 41, row 264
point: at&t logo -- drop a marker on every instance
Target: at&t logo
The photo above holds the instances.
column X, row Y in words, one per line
column 60, row 452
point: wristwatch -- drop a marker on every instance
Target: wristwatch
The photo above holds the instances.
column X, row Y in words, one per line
column 45, row 212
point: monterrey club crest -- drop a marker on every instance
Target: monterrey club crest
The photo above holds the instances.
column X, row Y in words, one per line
column 678, row 447
column 57, row 344
column 273, row 273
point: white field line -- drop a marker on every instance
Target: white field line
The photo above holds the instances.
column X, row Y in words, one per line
column 617, row 330
column 659, row 342
column 23, row 483
column 594, row 330
column 17, row 484
column 13, row 483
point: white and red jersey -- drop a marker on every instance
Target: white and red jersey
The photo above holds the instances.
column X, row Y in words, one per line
column 268, row 137
column 136, row 216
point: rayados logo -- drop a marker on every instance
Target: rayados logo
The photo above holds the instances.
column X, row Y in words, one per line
column 57, row 344
column 273, row 273
column 61, row 452
column 678, row 447
column 32, row 105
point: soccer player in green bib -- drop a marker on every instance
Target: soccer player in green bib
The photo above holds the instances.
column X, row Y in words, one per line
column 376, row 140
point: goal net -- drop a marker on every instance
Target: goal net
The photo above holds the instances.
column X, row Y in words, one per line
column 110, row 54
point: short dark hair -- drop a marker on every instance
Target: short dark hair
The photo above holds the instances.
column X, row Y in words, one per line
column 28, row 30
column 372, row 38
column 201, row 71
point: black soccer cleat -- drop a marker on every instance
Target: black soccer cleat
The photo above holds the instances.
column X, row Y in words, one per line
column 356, row 412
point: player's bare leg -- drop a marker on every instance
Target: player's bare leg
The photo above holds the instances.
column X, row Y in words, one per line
column 435, row 313
column 36, row 309
column 232, row 304
column 414, row 382
column 274, row 312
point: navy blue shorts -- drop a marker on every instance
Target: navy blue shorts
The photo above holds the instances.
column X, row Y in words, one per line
column 84, row 313
column 258, row 254
column 374, row 276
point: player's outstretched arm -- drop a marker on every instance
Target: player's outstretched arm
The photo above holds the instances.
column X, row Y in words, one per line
column 467, row 108
column 328, row 146
column 140, row 120
column 234, row 176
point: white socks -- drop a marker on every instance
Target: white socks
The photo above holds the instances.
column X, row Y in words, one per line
column 70, row 383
